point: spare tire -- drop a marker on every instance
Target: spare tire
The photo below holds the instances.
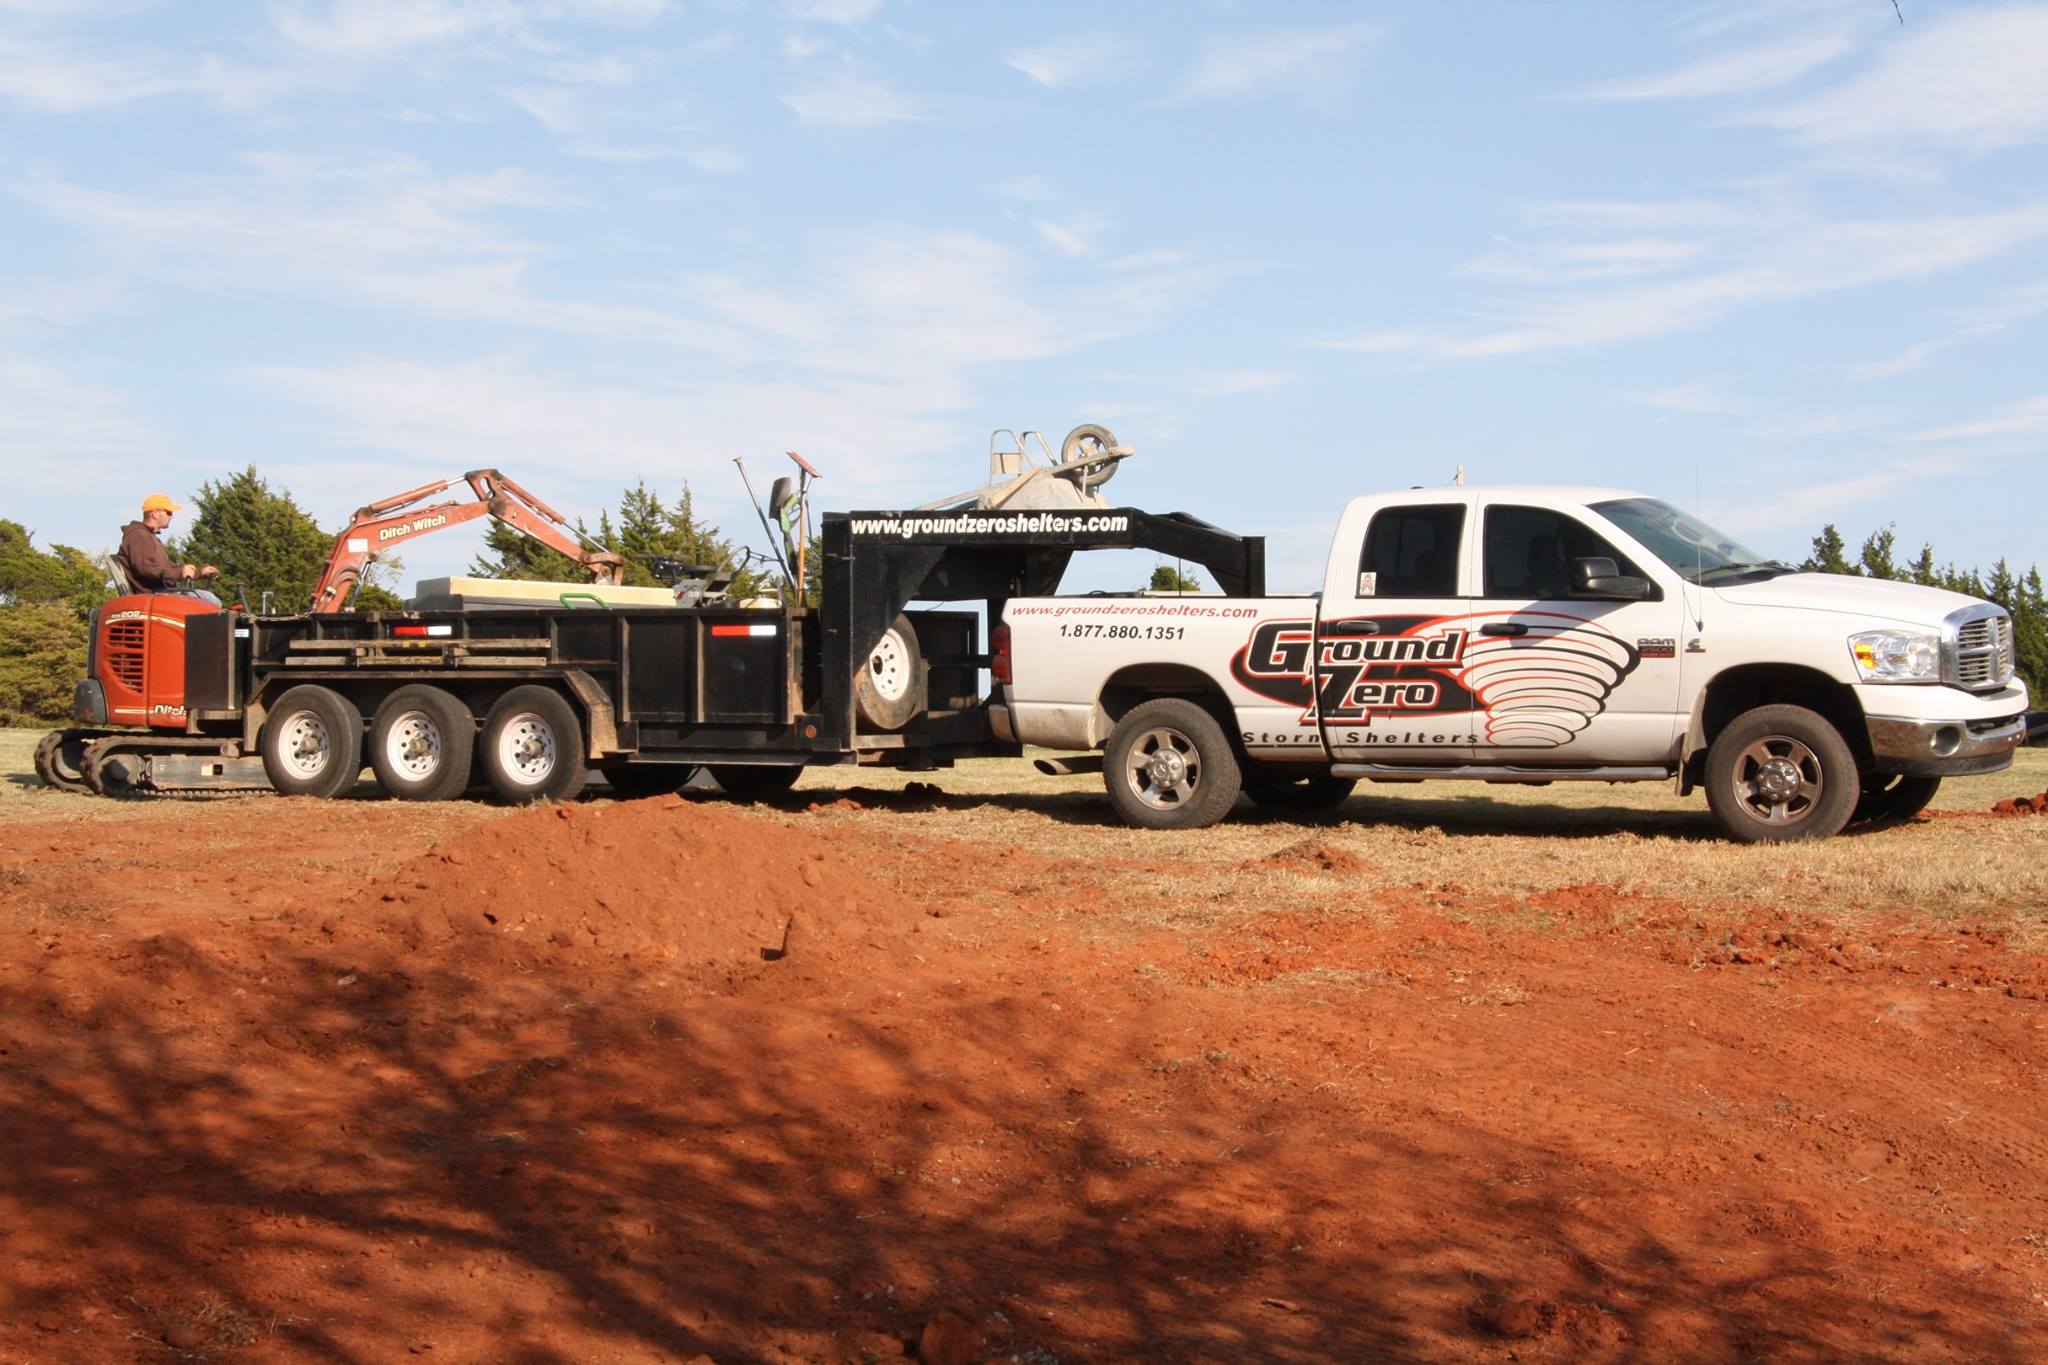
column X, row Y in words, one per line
column 889, row 688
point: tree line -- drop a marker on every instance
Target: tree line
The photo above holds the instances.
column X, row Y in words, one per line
column 270, row 552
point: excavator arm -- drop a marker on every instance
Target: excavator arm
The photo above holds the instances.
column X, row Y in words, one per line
column 402, row 517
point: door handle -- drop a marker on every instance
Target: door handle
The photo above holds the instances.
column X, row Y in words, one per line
column 1351, row 627
column 1503, row 628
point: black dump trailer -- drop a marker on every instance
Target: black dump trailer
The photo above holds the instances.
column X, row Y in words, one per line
column 531, row 698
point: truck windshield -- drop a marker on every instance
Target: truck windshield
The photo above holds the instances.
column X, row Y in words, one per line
column 1698, row 552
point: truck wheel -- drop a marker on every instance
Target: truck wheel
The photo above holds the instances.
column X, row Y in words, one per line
column 1275, row 790
column 1895, row 797
column 1169, row 766
column 422, row 743
column 887, row 690
column 752, row 781
column 631, row 783
column 312, row 742
column 533, row 747
column 1779, row 773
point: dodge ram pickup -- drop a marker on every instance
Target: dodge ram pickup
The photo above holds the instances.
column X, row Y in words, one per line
column 1523, row 634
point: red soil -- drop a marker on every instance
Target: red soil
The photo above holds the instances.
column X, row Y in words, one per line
column 298, row 1080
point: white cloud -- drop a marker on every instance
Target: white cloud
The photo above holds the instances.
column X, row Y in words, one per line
column 376, row 28
column 1970, row 80
column 1810, row 502
column 1792, row 263
column 1826, row 424
column 1087, row 60
column 844, row 12
column 1730, row 73
column 59, row 433
column 1688, row 398
column 850, row 101
column 1311, row 61
column 2015, row 419
column 1583, row 260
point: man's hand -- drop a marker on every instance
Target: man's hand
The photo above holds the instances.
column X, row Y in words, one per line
column 209, row 572
column 186, row 571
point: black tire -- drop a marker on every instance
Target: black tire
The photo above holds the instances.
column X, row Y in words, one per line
column 1780, row 773
column 1279, row 790
column 889, row 689
column 60, row 760
column 1895, row 797
column 1083, row 441
column 422, row 744
column 1170, row 766
column 312, row 742
column 532, row 747
column 638, row 780
column 752, row 781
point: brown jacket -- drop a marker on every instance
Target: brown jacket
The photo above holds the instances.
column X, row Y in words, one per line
column 142, row 555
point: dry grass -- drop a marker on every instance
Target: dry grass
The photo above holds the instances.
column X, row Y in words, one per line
column 1476, row 838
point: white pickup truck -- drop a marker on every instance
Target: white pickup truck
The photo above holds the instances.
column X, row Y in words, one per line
column 1524, row 634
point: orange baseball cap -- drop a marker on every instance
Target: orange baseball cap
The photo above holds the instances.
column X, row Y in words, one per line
column 159, row 502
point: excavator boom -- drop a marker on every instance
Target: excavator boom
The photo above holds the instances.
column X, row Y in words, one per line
column 401, row 517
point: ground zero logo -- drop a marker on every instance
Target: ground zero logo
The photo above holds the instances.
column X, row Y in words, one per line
column 1351, row 677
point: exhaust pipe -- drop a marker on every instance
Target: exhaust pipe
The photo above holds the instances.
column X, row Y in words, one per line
column 1069, row 767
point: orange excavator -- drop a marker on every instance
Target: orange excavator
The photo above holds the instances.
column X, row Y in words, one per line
column 135, row 731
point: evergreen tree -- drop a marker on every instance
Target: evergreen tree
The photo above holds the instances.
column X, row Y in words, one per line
column 1829, row 554
column 1168, row 578
column 1923, row 571
column 1876, row 555
column 42, row 657
column 515, row 555
column 262, row 541
column 61, row 575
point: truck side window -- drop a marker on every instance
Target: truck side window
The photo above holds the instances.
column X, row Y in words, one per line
column 1528, row 553
column 1413, row 551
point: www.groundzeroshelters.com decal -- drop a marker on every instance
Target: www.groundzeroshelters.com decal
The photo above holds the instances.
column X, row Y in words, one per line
column 1535, row 689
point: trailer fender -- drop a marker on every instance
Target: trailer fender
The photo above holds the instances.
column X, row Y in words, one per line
column 597, row 709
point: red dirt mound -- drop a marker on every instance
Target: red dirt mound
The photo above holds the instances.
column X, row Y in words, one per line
column 2022, row 805
column 668, row 879
column 1311, row 855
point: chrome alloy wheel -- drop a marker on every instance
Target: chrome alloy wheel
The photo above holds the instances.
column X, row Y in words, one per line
column 1778, row 780
column 1164, row 768
column 526, row 748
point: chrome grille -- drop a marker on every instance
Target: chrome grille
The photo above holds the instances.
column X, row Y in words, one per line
column 124, row 653
column 1982, row 656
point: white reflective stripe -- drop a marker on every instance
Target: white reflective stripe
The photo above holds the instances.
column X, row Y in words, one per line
column 761, row 630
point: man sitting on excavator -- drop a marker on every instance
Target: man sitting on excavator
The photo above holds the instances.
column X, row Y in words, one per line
column 142, row 557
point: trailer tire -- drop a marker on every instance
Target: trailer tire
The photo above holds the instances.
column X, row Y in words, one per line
column 1276, row 789
column 889, row 689
column 312, row 742
column 1776, row 774
column 532, row 747
column 422, row 744
column 632, row 782
column 1170, row 766
column 753, row 781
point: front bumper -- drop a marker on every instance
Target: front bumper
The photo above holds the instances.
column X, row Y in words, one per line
column 1944, row 748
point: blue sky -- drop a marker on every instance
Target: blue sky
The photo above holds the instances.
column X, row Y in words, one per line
column 1789, row 251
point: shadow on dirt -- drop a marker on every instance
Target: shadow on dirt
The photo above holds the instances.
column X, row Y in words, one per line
column 327, row 1157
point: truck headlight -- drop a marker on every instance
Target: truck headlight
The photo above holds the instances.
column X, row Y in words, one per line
column 1896, row 656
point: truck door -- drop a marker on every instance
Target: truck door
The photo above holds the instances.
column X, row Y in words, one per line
column 1388, row 643
column 1558, row 676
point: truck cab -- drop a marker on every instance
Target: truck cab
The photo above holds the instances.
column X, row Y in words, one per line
column 1537, row 634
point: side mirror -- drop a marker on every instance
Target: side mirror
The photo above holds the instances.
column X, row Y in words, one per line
column 1598, row 577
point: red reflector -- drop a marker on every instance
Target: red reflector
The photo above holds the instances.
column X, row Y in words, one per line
column 999, row 661
column 730, row 632
column 412, row 632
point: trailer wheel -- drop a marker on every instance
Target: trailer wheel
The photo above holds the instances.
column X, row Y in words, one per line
column 422, row 743
column 753, row 781
column 1780, row 773
column 634, row 781
column 888, row 689
column 312, row 742
column 533, row 747
column 1169, row 766
column 1276, row 789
